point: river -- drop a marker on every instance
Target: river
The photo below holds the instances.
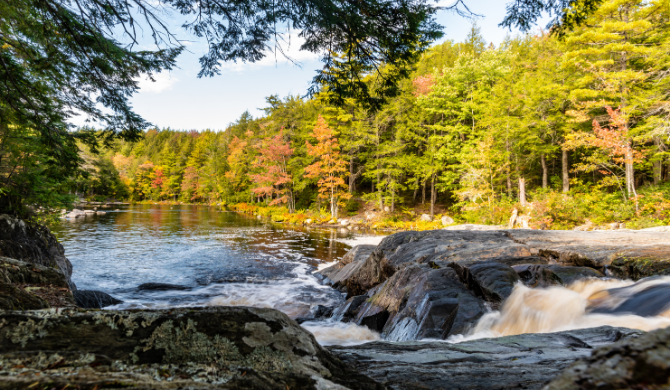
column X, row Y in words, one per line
column 218, row 257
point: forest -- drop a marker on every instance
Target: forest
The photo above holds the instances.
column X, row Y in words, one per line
column 566, row 127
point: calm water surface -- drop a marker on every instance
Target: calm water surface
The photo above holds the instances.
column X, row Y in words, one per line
column 223, row 258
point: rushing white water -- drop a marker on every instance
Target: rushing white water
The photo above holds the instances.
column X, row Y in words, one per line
column 339, row 333
column 584, row 304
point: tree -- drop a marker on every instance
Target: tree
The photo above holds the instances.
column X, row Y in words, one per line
column 273, row 179
column 330, row 168
column 615, row 151
column 612, row 58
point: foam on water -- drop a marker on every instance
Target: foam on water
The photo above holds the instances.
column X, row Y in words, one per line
column 339, row 333
column 584, row 304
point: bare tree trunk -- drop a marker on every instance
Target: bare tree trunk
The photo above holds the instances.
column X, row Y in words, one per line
column 352, row 177
column 565, row 171
column 658, row 164
column 522, row 191
column 432, row 197
column 379, row 189
column 545, row 174
column 630, row 178
column 423, row 195
column 509, row 170
column 392, row 201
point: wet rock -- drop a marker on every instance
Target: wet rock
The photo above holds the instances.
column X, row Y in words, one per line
column 553, row 275
column 33, row 244
column 647, row 298
column 421, row 302
column 633, row 363
column 317, row 312
column 525, row 361
column 91, row 299
column 161, row 287
column 490, row 280
column 222, row 348
column 349, row 310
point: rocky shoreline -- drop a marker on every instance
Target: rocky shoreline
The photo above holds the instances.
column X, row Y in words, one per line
column 415, row 288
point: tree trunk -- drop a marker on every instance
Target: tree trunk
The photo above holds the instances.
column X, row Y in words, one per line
column 522, row 191
column 509, row 169
column 423, row 194
column 545, row 174
column 393, row 201
column 352, row 178
column 658, row 164
column 379, row 189
column 564, row 173
column 432, row 197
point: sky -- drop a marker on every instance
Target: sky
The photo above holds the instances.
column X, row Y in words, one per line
column 180, row 100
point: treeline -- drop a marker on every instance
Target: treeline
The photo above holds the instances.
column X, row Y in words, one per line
column 475, row 127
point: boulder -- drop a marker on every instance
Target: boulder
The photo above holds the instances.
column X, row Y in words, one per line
column 526, row 361
column 34, row 244
column 405, row 248
column 642, row 264
column 161, row 287
column 198, row 348
column 349, row 309
column 91, row 299
column 632, row 363
column 426, row 218
column 646, row 298
column 538, row 275
column 30, row 286
column 490, row 280
column 347, row 266
column 446, row 220
column 14, row 298
column 317, row 312
column 420, row 302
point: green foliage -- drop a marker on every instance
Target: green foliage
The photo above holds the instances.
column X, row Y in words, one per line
column 473, row 129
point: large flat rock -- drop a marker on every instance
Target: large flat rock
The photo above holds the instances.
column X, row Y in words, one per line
column 525, row 361
column 639, row 363
column 405, row 288
column 204, row 348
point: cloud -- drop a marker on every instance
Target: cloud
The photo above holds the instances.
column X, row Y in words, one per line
column 164, row 82
column 288, row 45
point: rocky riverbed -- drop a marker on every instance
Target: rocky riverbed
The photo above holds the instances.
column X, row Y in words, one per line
column 496, row 309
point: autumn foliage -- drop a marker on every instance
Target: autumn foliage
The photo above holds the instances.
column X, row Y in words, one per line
column 272, row 179
column 330, row 166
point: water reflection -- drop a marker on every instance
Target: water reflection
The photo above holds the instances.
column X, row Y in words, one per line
column 223, row 257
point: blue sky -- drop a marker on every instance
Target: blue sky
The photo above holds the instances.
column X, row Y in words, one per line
column 180, row 100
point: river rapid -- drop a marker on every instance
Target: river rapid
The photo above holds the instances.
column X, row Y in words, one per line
column 218, row 258
column 221, row 258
